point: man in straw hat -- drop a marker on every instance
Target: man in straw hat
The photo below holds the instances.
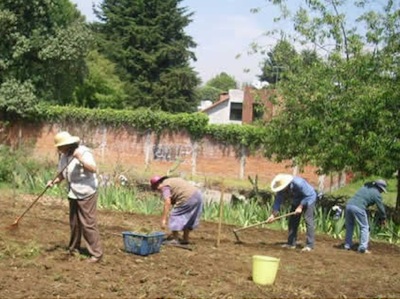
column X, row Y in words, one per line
column 356, row 212
column 303, row 202
column 79, row 170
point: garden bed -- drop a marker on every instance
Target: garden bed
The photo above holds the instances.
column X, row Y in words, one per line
column 34, row 263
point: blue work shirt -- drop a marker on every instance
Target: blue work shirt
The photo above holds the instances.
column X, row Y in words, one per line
column 366, row 196
column 303, row 193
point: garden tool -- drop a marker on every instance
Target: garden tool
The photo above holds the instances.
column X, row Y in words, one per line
column 257, row 224
column 15, row 224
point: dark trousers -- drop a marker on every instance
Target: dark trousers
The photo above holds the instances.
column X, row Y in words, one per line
column 82, row 220
column 294, row 222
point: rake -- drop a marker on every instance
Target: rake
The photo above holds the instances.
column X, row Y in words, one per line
column 15, row 224
column 235, row 231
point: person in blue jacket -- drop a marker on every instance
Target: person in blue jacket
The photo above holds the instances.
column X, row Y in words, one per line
column 356, row 212
column 303, row 198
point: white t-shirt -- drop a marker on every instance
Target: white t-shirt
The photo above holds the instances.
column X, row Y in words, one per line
column 81, row 182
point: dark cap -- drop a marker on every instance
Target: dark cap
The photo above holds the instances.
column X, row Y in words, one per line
column 381, row 184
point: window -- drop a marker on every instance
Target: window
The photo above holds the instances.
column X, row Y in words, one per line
column 236, row 111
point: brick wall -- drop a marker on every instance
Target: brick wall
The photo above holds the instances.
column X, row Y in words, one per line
column 262, row 97
column 126, row 149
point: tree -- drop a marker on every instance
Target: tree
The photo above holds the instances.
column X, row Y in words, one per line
column 341, row 113
column 223, row 82
column 17, row 99
column 208, row 93
column 43, row 44
column 278, row 61
column 146, row 39
column 215, row 86
column 102, row 88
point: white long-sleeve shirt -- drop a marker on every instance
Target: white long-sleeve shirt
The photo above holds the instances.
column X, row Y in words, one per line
column 81, row 182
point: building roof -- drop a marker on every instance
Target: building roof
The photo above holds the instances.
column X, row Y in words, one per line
column 217, row 103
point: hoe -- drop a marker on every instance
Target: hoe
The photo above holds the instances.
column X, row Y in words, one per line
column 257, row 224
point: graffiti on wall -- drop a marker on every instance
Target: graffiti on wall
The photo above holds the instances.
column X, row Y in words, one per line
column 172, row 152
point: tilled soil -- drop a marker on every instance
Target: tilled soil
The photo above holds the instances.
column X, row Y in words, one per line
column 34, row 262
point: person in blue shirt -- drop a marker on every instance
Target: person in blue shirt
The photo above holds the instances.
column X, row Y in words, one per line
column 356, row 212
column 303, row 199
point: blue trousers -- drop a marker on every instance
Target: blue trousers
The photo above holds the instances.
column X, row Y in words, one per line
column 294, row 222
column 355, row 215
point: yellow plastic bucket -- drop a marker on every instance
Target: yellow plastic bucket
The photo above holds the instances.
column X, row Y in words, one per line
column 264, row 269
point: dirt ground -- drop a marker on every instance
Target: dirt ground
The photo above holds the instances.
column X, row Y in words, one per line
column 205, row 272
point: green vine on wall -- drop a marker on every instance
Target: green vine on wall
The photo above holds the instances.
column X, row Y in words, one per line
column 195, row 124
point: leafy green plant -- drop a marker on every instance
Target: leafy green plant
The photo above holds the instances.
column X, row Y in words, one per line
column 18, row 168
column 339, row 228
column 127, row 199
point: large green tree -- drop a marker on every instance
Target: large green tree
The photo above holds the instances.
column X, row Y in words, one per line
column 43, row 45
column 223, row 82
column 341, row 112
column 278, row 61
column 102, row 87
column 215, row 86
column 146, row 39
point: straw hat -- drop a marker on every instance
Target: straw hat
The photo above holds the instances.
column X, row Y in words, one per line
column 65, row 138
column 280, row 182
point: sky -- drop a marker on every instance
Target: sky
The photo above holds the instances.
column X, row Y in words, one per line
column 223, row 31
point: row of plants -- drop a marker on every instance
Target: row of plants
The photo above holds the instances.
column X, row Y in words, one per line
column 23, row 174
column 327, row 221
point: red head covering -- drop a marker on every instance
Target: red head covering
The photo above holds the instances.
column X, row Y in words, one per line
column 155, row 180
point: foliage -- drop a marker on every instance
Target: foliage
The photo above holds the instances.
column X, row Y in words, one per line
column 147, row 41
column 211, row 91
column 242, row 214
column 102, row 88
column 16, row 166
column 338, row 112
column 278, row 61
column 251, row 137
column 196, row 124
column 43, row 44
column 223, row 82
column 128, row 199
column 208, row 93
column 17, row 99
column 31, row 176
column 21, row 171
column 141, row 119
column 6, row 164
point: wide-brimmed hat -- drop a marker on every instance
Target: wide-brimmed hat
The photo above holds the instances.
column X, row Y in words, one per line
column 65, row 138
column 280, row 182
column 155, row 180
column 381, row 184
